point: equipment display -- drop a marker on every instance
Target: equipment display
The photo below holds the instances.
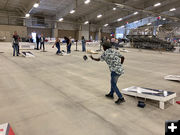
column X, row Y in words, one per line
column 152, row 42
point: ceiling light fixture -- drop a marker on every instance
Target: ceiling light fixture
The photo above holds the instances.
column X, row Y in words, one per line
column 106, row 25
column 114, row 8
column 99, row 16
column 87, row 1
column 135, row 13
column 173, row 9
column 61, row 19
column 120, row 19
column 27, row 15
column 72, row 11
column 86, row 22
column 157, row 4
column 36, row 5
column 164, row 19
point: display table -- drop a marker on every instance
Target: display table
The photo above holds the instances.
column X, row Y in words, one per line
column 153, row 94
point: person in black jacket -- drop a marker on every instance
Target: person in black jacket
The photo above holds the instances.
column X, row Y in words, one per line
column 15, row 46
column 42, row 40
column 69, row 43
column 37, row 41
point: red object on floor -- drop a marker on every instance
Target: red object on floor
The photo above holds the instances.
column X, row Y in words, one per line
column 178, row 102
column 11, row 132
column 5, row 129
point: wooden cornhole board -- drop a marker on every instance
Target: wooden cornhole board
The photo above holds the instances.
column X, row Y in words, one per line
column 5, row 129
column 172, row 77
column 26, row 45
column 28, row 54
column 153, row 94
column 91, row 52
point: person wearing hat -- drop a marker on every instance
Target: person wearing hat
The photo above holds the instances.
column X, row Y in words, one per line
column 115, row 61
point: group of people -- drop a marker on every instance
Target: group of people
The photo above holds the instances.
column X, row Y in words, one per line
column 69, row 44
column 40, row 40
column 111, row 56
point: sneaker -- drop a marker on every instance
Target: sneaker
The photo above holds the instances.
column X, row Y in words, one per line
column 120, row 100
column 109, row 96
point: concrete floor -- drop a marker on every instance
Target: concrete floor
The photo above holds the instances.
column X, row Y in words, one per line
column 64, row 95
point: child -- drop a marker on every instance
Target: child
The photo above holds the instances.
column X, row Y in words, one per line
column 57, row 43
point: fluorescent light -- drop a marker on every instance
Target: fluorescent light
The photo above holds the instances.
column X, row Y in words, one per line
column 149, row 23
column 106, row 25
column 72, row 11
column 120, row 19
column 157, row 4
column 99, row 16
column 61, row 19
column 27, row 15
column 114, row 9
column 36, row 5
column 164, row 19
column 173, row 9
column 135, row 13
column 86, row 22
column 87, row 1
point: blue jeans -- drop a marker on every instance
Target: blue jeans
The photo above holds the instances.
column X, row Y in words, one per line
column 83, row 46
column 114, row 88
column 15, row 49
column 69, row 48
column 42, row 44
column 58, row 47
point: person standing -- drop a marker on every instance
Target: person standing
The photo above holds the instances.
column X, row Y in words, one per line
column 68, row 41
column 37, row 41
column 16, row 40
column 42, row 40
column 83, row 44
column 115, row 61
column 57, row 43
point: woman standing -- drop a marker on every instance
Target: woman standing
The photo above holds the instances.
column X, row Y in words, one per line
column 57, row 43
column 83, row 44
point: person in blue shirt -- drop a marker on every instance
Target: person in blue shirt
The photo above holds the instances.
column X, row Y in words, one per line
column 83, row 44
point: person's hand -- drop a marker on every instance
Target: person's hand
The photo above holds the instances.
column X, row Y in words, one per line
column 91, row 57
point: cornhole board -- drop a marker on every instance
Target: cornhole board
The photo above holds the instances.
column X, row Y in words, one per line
column 172, row 77
column 91, row 52
column 153, row 94
column 25, row 45
column 27, row 54
column 124, row 50
column 5, row 129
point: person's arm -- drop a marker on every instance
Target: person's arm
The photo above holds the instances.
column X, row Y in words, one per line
column 95, row 59
column 122, row 59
